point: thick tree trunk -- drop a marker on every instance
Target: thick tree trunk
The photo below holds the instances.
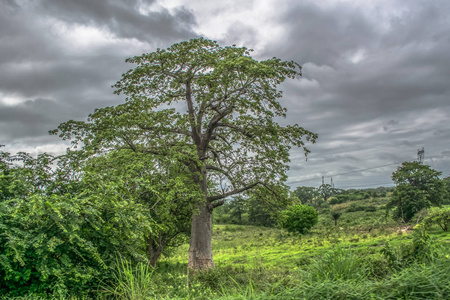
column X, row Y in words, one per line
column 154, row 251
column 200, row 250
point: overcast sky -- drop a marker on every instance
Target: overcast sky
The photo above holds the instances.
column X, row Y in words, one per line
column 375, row 86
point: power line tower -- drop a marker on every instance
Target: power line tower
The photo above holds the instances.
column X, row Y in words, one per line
column 421, row 154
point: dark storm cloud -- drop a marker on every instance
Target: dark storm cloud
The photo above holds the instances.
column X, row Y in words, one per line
column 372, row 80
column 405, row 66
column 41, row 59
column 123, row 18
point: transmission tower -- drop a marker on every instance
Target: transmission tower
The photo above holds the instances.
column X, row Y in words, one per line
column 421, row 154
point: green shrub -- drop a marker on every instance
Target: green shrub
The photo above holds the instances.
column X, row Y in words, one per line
column 299, row 218
column 334, row 200
column 64, row 244
column 422, row 249
column 370, row 208
column 356, row 207
column 440, row 217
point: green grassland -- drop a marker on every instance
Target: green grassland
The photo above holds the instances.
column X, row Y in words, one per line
column 255, row 262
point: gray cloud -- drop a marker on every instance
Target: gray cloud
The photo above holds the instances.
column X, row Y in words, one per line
column 125, row 19
column 49, row 74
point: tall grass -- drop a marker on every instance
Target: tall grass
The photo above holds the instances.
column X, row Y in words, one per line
column 417, row 282
column 337, row 264
column 130, row 282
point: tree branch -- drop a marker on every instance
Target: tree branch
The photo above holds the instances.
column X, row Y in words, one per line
column 191, row 112
column 213, row 124
column 173, row 130
column 228, row 175
column 233, row 192
column 237, row 128
column 218, row 203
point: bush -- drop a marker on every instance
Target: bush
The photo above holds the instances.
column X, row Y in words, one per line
column 334, row 200
column 370, row 208
column 299, row 218
column 356, row 207
column 56, row 244
column 440, row 216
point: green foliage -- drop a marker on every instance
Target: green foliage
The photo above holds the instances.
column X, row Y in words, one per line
column 130, row 282
column 417, row 187
column 361, row 207
column 337, row 264
column 163, row 186
column 326, row 191
column 258, row 210
column 260, row 215
column 446, row 182
column 66, row 242
column 370, row 208
column 59, row 231
column 356, row 207
column 306, row 194
column 421, row 249
column 211, row 110
column 335, row 214
column 438, row 216
column 334, row 200
column 299, row 218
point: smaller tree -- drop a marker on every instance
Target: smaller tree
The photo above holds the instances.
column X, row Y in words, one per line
column 335, row 215
column 417, row 187
column 446, row 182
column 261, row 213
column 440, row 216
column 299, row 218
column 237, row 207
column 326, row 191
column 306, row 194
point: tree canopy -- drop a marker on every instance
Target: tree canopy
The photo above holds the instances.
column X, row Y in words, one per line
column 418, row 186
column 209, row 109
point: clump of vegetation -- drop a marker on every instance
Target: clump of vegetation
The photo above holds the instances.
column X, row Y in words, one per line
column 299, row 218
column 59, row 233
column 335, row 214
column 440, row 217
column 417, row 187
column 337, row 264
